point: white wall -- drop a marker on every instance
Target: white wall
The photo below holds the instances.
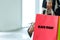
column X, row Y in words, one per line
column 29, row 10
column 10, row 14
column 38, row 6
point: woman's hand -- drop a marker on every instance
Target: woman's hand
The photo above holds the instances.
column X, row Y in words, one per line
column 31, row 29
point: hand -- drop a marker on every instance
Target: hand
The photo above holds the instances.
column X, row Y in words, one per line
column 31, row 29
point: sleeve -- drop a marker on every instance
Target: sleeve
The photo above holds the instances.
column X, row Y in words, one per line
column 44, row 4
column 58, row 2
column 53, row 4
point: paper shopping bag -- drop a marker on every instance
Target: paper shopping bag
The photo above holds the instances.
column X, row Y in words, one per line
column 45, row 27
column 59, row 29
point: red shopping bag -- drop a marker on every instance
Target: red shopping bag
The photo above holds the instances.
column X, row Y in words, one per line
column 45, row 27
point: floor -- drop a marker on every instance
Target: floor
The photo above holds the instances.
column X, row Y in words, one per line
column 16, row 35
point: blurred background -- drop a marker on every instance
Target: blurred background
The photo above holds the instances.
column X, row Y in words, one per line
column 16, row 16
column 29, row 10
